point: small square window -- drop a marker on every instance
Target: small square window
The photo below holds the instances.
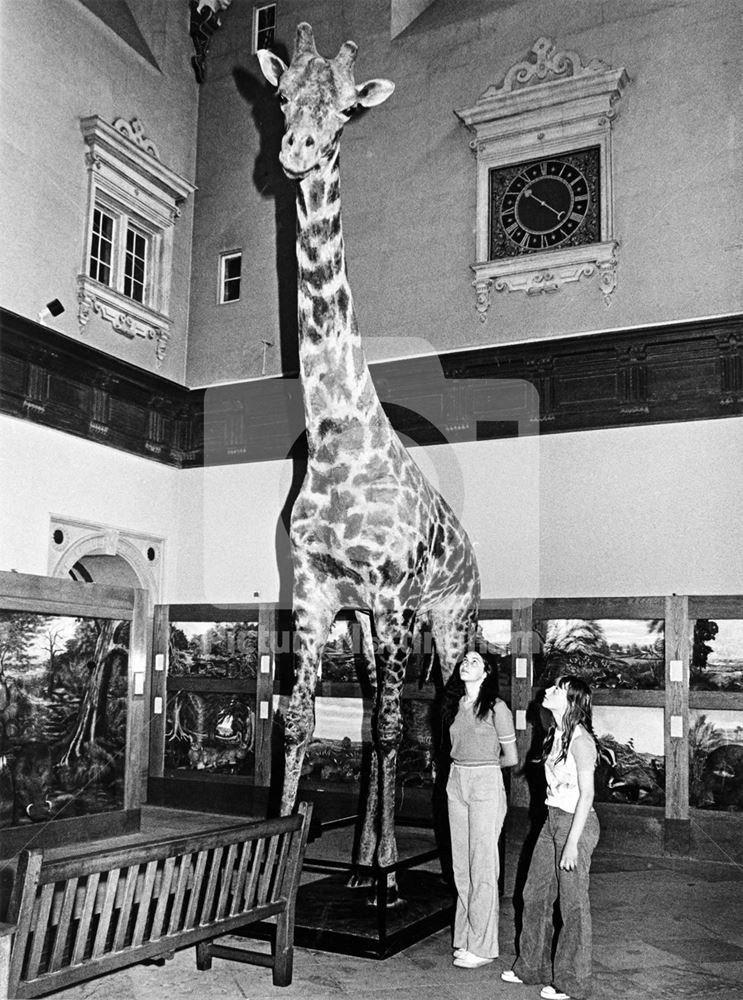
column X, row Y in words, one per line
column 264, row 26
column 230, row 274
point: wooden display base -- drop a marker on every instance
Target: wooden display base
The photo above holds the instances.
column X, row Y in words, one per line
column 332, row 917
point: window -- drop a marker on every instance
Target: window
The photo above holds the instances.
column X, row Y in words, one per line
column 128, row 251
column 264, row 26
column 119, row 253
column 230, row 272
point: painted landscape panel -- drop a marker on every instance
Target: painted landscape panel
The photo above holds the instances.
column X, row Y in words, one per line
column 213, row 649
column 716, row 760
column 717, row 655
column 608, row 653
column 63, row 706
column 212, row 729
column 632, row 764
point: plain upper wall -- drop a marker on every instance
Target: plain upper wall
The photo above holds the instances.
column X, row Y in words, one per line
column 409, row 176
column 45, row 472
column 620, row 512
column 59, row 63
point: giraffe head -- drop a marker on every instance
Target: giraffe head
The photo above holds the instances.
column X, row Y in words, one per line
column 318, row 96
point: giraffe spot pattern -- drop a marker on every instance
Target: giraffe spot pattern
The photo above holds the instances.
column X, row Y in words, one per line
column 326, row 565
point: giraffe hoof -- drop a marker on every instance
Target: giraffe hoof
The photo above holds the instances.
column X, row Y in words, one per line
column 360, row 882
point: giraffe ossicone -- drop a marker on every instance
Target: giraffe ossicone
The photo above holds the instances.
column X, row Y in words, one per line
column 368, row 532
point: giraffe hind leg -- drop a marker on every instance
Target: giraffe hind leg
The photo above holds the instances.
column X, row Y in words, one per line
column 311, row 634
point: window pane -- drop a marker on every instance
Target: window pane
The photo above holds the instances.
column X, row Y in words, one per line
column 265, row 26
column 135, row 260
column 101, row 246
column 231, row 273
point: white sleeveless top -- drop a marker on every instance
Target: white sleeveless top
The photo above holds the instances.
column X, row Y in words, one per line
column 562, row 777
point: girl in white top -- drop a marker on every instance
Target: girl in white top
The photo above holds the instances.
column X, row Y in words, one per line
column 561, row 861
column 482, row 741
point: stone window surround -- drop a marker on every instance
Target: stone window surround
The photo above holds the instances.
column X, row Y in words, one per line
column 127, row 176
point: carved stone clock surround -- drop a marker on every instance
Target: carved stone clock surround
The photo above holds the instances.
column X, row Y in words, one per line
column 548, row 104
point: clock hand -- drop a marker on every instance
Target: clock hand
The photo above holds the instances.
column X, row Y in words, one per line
column 528, row 193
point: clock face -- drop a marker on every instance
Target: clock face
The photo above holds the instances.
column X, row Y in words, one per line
column 545, row 204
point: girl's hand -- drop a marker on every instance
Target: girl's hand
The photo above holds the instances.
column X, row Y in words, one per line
column 569, row 858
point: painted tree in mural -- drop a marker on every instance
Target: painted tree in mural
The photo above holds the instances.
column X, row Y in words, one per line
column 108, row 662
column 368, row 532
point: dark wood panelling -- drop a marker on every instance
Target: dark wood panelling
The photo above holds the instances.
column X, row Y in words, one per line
column 681, row 371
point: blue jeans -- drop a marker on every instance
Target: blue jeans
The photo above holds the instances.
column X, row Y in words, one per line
column 571, row 971
column 477, row 808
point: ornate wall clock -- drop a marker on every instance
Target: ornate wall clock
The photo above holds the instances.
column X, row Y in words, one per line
column 544, row 204
column 544, row 175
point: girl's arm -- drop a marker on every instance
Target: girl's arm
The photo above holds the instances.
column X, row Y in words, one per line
column 509, row 755
column 584, row 752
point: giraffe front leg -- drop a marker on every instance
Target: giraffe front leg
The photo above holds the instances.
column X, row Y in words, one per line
column 365, row 848
column 395, row 646
column 311, row 633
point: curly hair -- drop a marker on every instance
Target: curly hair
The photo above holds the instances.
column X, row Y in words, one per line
column 454, row 690
column 578, row 713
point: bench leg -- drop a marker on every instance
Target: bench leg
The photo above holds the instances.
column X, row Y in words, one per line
column 283, row 951
column 204, row 956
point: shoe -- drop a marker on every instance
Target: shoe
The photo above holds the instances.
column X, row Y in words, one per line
column 509, row 976
column 468, row 960
column 550, row 993
column 459, row 952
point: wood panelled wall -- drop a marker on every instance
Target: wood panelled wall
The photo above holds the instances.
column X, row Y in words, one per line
column 680, row 371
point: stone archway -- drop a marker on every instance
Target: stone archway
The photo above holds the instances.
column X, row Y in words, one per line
column 97, row 553
column 110, row 555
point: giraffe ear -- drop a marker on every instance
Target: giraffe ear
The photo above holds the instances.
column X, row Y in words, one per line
column 273, row 67
column 373, row 92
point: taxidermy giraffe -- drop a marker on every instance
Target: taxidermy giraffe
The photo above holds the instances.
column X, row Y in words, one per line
column 368, row 532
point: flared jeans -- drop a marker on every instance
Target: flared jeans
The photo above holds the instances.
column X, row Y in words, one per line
column 477, row 808
column 571, row 970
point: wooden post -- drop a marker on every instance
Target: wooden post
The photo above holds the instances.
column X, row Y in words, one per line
column 268, row 624
column 522, row 679
column 160, row 667
column 136, row 719
column 676, row 725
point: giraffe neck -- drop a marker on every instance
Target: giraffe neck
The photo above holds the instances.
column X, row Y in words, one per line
column 336, row 381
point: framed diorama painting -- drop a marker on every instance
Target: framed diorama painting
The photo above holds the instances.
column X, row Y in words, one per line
column 72, row 685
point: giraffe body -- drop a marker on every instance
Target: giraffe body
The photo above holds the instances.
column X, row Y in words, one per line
column 368, row 532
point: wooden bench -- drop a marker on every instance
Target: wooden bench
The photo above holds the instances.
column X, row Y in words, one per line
column 77, row 917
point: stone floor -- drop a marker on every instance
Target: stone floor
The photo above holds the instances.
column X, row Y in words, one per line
column 663, row 928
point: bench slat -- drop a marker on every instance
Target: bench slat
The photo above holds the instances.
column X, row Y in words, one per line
column 228, row 870
column 249, row 901
column 63, row 925
column 163, row 897
column 104, row 921
column 242, row 874
column 185, row 872
column 43, row 906
column 267, row 874
column 125, row 907
column 146, row 887
column 198, row 880
column 211, row 886
column 86, row 916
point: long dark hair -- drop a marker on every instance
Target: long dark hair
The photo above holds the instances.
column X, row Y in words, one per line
column 578, row 713
column 454, row 690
